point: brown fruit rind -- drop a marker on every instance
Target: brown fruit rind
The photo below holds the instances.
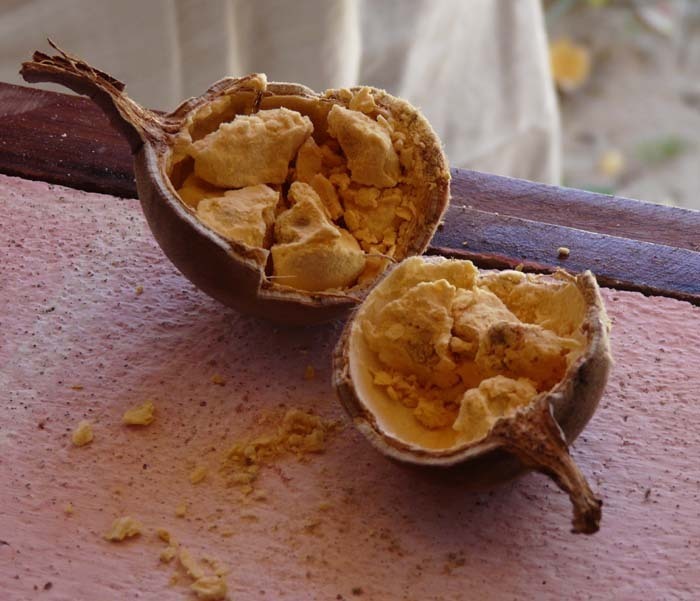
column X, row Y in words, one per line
column 226, row 270
column 556, row 418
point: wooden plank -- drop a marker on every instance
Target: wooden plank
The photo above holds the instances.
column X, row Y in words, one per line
column 64, row 140
column 614, row 215
column 499, row 241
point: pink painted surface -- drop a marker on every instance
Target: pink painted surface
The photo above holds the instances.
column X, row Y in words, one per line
column 69, row 315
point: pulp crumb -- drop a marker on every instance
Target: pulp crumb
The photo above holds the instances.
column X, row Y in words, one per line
column 218, row 380
column 139, row 290
column 82, row 434
column 68, row 509
column 142, row 415
column 309, row 372
column 124, row 527
column 190, row 564
column 216, row 565
column 211, row 588
column 563, row 252
column 205, row 585
column 181, row 510
column 300, row 433
column 198, row 474
column 168, row 554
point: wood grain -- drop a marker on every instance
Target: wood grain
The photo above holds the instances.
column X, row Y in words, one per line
column 614, row 215
column 62, row 139
column 498, row 241
column 67, row 140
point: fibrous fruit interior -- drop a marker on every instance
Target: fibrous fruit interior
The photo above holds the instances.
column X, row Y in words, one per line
column 439, row 352
column 327, row 187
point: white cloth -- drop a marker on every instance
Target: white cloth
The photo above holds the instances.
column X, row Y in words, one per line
column 477, row 68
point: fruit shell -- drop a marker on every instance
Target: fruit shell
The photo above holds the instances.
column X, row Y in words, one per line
column 484, row 463
column 226, row 270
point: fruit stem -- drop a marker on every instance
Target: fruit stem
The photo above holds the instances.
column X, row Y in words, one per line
column 137, row 123
column 535, row 438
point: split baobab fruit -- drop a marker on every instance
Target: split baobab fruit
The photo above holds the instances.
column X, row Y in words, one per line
column 271, row 198
column 488, row 373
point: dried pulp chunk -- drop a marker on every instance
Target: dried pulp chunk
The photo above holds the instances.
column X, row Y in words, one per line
column 252, row 149
column 194, row 190
column 313, row 253
column 480, row 407
column 245, row 215
column 371, row 155
column 455, row 353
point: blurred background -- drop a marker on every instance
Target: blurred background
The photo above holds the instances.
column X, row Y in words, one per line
column 628, row 75
column 596, row 94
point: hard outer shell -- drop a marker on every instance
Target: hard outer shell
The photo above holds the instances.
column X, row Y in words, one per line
column 226, row 270
column 485, row 463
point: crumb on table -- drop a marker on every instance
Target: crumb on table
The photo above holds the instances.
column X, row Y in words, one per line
column 190, row 564
column 122, row 528
column 198, row 474
column 168, row 554
column 218, row 379
column 82, row 434
column 210, row 588
column 299, row 433
column 142, row 415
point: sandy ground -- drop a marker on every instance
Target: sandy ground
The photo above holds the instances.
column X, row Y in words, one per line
column 642, row 99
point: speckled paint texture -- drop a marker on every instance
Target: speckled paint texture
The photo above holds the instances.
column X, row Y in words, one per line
column 347, row 524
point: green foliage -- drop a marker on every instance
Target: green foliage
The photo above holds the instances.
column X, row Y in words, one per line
column 661, row 149
column 598, row 189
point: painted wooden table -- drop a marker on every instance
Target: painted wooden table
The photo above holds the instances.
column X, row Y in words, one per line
column 94, row 320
